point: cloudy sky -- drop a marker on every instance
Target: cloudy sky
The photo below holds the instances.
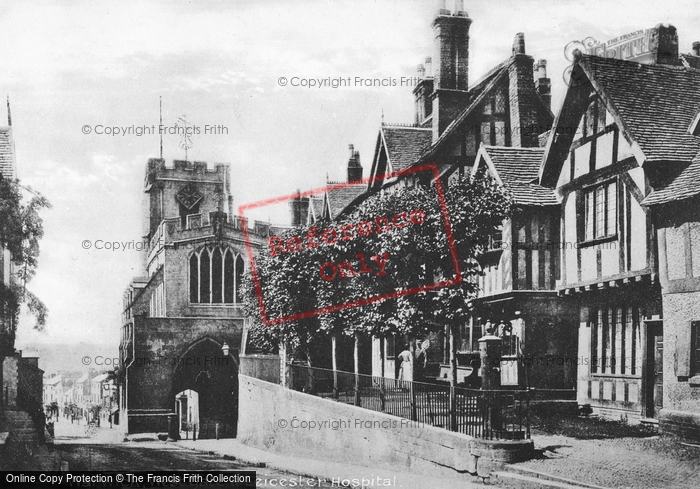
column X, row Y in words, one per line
column 67, row 65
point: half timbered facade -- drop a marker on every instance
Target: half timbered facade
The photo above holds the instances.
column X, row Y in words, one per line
column 620, row 136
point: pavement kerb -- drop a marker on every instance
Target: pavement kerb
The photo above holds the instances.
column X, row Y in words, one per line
column 330, row 470
column 545, row 476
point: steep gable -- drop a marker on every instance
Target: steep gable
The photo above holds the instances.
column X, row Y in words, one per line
column 517, row 169
column 397, row 148
column 339, row 197
column 652, row 105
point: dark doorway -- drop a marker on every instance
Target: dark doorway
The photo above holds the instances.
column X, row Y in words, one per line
column 214, row 377
column 653, row 375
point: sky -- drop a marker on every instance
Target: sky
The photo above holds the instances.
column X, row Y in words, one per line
column 75, row 69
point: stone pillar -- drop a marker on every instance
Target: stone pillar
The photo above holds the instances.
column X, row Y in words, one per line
column 490, row 372
column 284, row 380
column 490, row 354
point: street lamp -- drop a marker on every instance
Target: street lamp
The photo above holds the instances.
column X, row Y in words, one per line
column 225, row 349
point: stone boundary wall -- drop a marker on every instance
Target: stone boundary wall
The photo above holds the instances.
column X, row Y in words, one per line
column 285, row 421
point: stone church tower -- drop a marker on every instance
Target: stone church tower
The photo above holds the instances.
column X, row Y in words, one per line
column 183, row 318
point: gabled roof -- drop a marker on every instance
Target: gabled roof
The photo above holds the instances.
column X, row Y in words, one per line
column 421, row 138
column 339, row 197
column 517, row 169
column 315, row 208
column 405, row 144
column 402, row 145
column 53, row 380
column 477, row 93
column 84, row 378
column 653, row 105
column 684, row 186
column 99, row 378
column 7, row 153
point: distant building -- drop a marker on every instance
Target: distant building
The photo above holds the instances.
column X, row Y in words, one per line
column 96, row 386
column 53, row 389
column 82, row 389
column 186, row 308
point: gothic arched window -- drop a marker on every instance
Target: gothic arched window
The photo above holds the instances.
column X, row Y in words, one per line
column 216, row 275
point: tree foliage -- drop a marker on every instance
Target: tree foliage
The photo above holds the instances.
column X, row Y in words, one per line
column 291, row 274
column 21, row 229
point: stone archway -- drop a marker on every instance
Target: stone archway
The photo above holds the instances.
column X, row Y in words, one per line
column 214, row 377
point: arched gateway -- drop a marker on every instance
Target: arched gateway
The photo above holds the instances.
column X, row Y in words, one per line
column 205, row 391
column 185, row 310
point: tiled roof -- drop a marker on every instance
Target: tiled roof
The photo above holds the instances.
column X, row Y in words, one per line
column 657, row 104
column 517, row 169
column 685, row 185
column 100, row 378
column 7, row 167
column 405, row 144
column 316, row 206
column 53, row 380
column 474, row 98
column 340, row 197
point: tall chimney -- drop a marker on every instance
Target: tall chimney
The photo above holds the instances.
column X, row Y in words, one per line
column 543, row 85
column 664, row 45
column 519, row 44
column 354, row 166
column 299, row 209
column 423, row 92
column 452, row 49
column 452, row 65
column 521, row 85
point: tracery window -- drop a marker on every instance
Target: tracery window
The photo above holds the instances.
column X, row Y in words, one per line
column 216, row 275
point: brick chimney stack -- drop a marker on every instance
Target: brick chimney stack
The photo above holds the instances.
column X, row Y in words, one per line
column 423, row 93
column 664, row 45
column 299, row 208
column 543, row 85
column 452, row 66
column 354, row 166
column 696, row 48
column 452, row 48
column 521, row 82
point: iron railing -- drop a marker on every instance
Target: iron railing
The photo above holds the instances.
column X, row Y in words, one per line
column 490, row 414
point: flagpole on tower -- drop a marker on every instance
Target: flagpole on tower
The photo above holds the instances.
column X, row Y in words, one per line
column 160, row 98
